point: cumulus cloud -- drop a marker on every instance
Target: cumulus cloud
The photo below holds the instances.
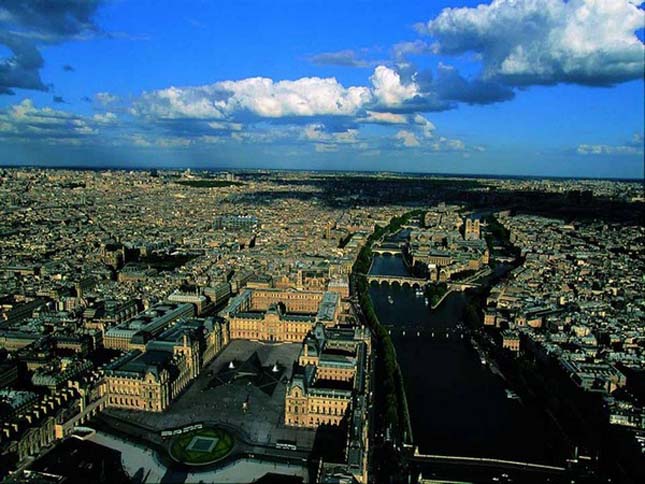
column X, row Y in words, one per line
column 421, row 130
column 452, row 86
column 426, row 126
column 26, row 122
column 326, row 140
column 407, row 138
column 50, row 19
column 394, row 96
column 389, row 90
column 377, row 117
column 403, row 50
column 308, row 96
column 404, row 89
column 318, row 132
column 421, row 136
column 105, row 118
column 446, row 144
column 633, row 147
column 589, row 42
column 258, row 97
column 24, row 26
column 393, row 92
column 143, row 141
column 105, row 98
column 327, row 114
column 22, row 68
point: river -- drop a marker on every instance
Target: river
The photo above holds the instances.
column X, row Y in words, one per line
column 457, row 405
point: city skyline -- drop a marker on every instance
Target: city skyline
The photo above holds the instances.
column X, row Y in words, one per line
column 530, row 88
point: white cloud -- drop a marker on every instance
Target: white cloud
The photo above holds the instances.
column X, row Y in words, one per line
column 223, row 126
column 527, row 42
column 314, row 132
column 309, row 96
column 328, row 141
column 105, row 98
column 314, row 110
column 105, row 118
column 378, row 117
column 24, row 121
column 633, row 147
column 178, row 103
column 445, row 144
column 422, row 137
column 263, row 98
column 408, row 138
column 427, row 126
column 402, row 50
column 142, row 141
column 258, row 96
column 388, row 88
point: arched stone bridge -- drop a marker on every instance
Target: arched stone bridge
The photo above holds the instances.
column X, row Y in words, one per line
column 387, row 250
column 392, row 248
column 399, row 279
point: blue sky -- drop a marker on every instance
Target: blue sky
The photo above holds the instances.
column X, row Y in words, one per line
column 523, row 87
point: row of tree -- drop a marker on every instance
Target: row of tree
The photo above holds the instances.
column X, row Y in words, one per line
column 391, row 395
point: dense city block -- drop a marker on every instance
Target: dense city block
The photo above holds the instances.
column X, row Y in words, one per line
column 258, row 324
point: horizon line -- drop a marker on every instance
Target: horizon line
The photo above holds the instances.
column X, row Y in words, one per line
column 141, row 167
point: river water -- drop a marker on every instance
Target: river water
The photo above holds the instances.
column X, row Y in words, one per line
column 457, row 405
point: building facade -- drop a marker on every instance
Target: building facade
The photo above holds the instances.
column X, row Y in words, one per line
column 329, row 377
column 150, row 379
column 279, row 315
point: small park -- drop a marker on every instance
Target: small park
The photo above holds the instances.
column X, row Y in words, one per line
column 201, row 447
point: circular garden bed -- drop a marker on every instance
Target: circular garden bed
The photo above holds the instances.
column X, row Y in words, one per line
column 201, row 447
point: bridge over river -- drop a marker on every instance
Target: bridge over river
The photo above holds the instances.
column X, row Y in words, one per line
column 458, row 406
column 416, row 281
column 518, row 469
column 423, row 330
column 402, row 280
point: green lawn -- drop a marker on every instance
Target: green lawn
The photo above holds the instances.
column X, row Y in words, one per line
column 179, row 446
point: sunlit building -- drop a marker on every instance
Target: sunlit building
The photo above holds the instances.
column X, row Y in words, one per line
column 331, row 373
column 279, row 315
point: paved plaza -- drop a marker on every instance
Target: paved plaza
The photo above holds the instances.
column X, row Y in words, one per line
column 144, row 465
column 257, row 415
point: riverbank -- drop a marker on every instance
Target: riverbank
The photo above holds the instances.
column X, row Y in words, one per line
column 457, row 405
column 393, row 397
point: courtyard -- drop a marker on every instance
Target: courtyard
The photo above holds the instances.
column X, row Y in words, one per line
column 242, row 389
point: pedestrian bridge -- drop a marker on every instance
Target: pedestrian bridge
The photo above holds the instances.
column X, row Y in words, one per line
column 486, row 462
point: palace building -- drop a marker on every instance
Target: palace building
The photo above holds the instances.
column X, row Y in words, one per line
column 135, row 333
column 279, row 315
column 150, row 379
column 330, row 375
